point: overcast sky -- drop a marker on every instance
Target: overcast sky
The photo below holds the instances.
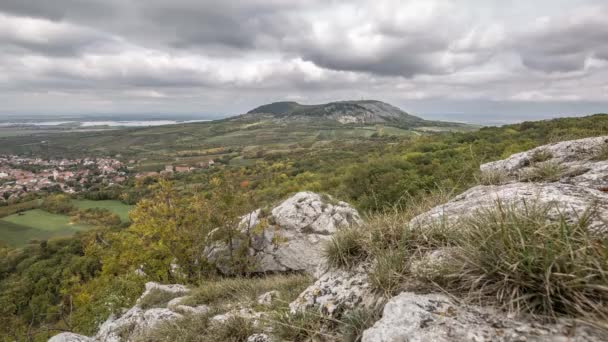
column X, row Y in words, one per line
column 489, row 59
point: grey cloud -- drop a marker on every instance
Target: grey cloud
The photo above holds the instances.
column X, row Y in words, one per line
column 59, row 9
column 565, row 43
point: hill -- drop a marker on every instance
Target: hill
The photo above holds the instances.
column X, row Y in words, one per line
column 365, row 112
column 277, row 126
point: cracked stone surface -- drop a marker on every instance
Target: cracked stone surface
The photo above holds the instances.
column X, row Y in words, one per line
column 291, row 237
column 335, row 292
column 434, row 317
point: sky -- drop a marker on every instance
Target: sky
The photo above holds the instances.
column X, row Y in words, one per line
column 471, row 60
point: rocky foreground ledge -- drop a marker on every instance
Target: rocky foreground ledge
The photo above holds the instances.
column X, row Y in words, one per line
column 578, row 182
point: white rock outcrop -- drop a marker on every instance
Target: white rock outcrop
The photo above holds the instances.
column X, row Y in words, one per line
column 581, row 190
column 291, row 236
column 434, row 317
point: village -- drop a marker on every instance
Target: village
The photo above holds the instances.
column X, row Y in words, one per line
column 20, row 176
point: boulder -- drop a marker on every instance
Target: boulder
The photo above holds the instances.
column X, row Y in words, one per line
column 289, row 237
column 434, row 317
column 337, row 291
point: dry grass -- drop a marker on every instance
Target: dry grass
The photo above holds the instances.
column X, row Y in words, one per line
column 603, row 155
column 492, row 177
column 540, row 156
column 246, row 290
column 544, row 172
column 516, row 257
column 158, row 299
column 200, row 328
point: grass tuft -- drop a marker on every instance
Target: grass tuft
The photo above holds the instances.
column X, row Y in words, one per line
column 540, row 156
column 157, row 299
column 346, row 248
column 302, row 326
column 544, row 172
column 515, row 256
column 493, row 177
column 246, row 290
column 603, row 154
column 200, row 328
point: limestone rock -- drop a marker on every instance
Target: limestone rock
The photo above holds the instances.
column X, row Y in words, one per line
column 290, row 237
column 70, row 337
column 133, row 323
column 569, row 200
column 335, row 292
column 434, row 317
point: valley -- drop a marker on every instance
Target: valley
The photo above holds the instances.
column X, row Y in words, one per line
column 182, row 181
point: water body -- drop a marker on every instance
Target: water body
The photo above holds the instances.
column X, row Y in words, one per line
column 107, row 123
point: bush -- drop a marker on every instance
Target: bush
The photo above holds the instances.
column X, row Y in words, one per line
column 516, row 257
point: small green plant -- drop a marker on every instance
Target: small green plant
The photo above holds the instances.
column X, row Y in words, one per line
column 540, row 156
column 544, row 172
column 514, row 255
column 346, row 248
column 157, row 299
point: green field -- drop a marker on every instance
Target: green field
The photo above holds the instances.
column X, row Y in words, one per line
column 18, row 229
column 117, row 207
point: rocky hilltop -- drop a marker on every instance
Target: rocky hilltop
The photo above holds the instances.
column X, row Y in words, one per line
column 570, row 178
column 344, row 112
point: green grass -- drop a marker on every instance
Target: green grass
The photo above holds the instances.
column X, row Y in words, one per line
column 37, row 224
column 116, row 207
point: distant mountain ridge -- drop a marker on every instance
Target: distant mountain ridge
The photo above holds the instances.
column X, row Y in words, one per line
column 343, row 112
